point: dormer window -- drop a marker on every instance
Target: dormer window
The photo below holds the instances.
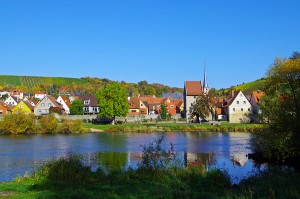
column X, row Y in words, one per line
column 86, row 101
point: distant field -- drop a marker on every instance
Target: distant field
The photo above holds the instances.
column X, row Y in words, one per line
column 32, row 81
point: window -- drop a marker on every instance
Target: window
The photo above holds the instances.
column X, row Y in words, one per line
column 244, row 102
column 172, row 106
column 40, row 110
column 49, row 104
column 46, row 98
column 142, row 105
column 43, row 104
column 21, row 106
column 233, row 109
column 86, row 109
column 242, row 109
column 237, row 102
column 86, row 101
column 249, row 109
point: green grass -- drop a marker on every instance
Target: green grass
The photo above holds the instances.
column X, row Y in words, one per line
column 69, row 178
column 166, row 127
column 33, row 81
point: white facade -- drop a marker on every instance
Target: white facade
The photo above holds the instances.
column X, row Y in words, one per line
column 40, row 96
column 240, row 109
column 11, row 101
column 64, row 104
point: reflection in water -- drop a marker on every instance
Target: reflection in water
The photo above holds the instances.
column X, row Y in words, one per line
column 226, row 151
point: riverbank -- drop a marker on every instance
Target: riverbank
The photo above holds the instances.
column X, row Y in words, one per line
column 167, row 127
column 69, row 178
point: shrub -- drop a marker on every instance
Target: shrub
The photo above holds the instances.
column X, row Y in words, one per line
column 68, row 169
column 48, row 123
column 18, row 124
column 71, row 126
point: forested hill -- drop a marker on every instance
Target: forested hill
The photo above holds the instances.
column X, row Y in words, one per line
column 84, row 84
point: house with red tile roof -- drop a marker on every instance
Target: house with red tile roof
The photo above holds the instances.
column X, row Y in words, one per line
column 192, row 89
column 17, row 93
column 237, row 108
column 40, row 94
column 64, row 101
column 5, row 109
column 137, row 107
column 255, row 100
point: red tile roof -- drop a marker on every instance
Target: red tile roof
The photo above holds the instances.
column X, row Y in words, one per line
column 257, row 95
column 193, row 88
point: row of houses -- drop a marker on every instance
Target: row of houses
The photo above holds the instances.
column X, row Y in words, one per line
column 236, row 108
column 144, row 105
column 61, row 105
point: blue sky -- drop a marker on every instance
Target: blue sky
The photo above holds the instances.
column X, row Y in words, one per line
column 161, row 41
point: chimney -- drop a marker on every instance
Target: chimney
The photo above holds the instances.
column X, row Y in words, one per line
column 232, row 93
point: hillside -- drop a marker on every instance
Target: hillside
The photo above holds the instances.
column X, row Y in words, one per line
column 35, row 81
column 248, row 87
column 84, row 85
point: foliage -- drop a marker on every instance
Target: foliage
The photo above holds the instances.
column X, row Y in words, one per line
column 76, row 108
column 163, row 111
column 48, row 123
column 155, row 157
column 4, row 97
column 112, row 101
column 281, row 107
column 68, row 169
column 203, row 106
column 18, row 124
column 71, row 126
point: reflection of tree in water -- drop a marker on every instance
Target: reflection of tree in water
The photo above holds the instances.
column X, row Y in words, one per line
column 199, row 161
column 112, row 160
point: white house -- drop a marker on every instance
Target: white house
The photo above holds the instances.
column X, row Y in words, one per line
column 43, row 106
column 11, row 100
column 65, row 103
column 90, row 104
column 17, row 93
column 40, row 95
column 4, row 93
column 238, row 108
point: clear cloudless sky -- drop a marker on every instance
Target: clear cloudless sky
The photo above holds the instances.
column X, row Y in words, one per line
column 160, row 41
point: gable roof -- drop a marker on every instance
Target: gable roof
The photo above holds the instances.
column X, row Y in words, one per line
column 93, row 100
column 193, row 88
column 134, row 103
column 175, row 95
column 28, row 105
column 257, row 95
column 232, row 97
column 66, row 100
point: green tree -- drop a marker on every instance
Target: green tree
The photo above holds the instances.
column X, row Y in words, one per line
column 203, row 107
column 163, row 111
column 76, row 107
column 281, row 107
column 112, row 101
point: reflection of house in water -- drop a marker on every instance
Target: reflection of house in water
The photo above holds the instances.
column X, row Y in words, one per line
column 239, row 159
column 199, row 160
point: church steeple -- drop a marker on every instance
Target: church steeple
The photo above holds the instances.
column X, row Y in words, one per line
column 205, row 84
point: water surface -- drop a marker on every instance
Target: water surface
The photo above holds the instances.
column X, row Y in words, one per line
column 226, row 151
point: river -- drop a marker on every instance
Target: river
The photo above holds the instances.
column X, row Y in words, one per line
column 225, row 151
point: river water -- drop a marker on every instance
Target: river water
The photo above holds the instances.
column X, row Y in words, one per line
column 225, row 151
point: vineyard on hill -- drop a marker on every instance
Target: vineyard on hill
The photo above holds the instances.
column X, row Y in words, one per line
column 32, row 81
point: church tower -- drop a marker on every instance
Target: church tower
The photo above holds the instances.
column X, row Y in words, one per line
column 205, row 84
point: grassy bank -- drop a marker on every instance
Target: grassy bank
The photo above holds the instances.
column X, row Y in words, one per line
column 167, row 127
column 69, row 178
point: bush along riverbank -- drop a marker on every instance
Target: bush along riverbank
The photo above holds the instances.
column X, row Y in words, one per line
column 159, row 175
column 27, row 124
column 167, row 127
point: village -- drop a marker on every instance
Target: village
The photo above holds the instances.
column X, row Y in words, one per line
column 236, row 108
